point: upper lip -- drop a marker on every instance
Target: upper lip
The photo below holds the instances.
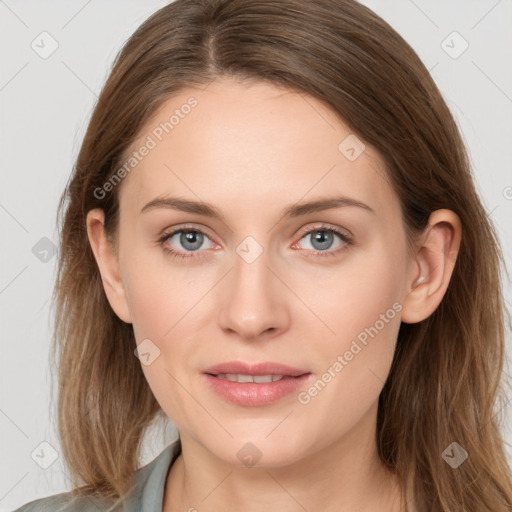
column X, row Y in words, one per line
column 266, row 368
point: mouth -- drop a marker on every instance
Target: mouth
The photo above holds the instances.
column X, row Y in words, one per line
column 240, row 368
column 254, row 385
column 259, row 379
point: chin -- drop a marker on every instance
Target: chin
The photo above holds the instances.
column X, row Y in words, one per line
column 260, row 451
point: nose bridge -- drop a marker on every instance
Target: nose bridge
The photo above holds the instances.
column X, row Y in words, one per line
column 252, row 303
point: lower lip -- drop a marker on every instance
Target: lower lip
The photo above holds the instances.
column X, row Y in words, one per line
column 252, row 394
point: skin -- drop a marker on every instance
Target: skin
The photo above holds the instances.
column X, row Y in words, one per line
column 251, row 149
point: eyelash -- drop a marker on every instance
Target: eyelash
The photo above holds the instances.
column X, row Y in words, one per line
column 326, row 229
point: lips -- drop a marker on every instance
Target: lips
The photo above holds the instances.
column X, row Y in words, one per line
column 266, row 368
column 254, row 385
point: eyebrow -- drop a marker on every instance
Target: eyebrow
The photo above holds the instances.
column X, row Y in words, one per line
column 295, row 210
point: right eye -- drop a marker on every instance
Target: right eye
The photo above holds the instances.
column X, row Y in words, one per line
column 191, row 240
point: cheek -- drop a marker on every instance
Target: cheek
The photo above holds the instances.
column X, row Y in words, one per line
column 362, row 289
column 159, row 315
column 164, row 307
column 152, row 309
column 361, row 307
column 353, row 367
column 158, row 295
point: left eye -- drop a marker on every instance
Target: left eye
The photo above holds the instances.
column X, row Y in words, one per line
column 322, row 239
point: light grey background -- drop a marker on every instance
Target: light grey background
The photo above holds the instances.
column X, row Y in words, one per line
column 46, row 103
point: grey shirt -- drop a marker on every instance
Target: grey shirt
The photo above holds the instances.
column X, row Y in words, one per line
column 146, row 495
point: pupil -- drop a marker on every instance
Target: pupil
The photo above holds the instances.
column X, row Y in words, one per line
column 191, row 237
column 323, row 238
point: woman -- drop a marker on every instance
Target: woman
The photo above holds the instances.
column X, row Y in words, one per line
column 333, row 336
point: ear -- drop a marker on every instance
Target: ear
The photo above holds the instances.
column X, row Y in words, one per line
column 108, row 263
column 433, row 265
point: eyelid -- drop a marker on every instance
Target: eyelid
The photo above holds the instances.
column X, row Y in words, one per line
column 170, row 232
column 347, row 240
column 344, row 234
column 185, row 227
column 323, row 226
column 304, row 231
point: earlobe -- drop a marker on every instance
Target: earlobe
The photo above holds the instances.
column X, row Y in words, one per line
column 434, row 262
column 108, row 264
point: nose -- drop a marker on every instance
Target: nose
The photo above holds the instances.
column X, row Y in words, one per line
column 254, row 300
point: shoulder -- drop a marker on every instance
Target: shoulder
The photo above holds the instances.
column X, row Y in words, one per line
column 146, row 494
column 63, row 502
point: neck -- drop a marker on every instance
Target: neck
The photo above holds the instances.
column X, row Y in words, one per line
column 346, row 475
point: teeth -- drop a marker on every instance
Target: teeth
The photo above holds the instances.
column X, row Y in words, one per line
column 236, row 377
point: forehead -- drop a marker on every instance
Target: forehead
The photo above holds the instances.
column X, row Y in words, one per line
column 251, row 141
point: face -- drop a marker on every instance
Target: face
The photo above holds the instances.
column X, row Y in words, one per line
column 318, row 290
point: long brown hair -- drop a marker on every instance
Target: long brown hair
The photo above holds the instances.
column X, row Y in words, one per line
column 444, row 385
